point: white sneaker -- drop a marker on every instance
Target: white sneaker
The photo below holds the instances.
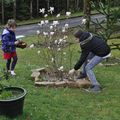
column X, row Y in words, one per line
column 13, row 73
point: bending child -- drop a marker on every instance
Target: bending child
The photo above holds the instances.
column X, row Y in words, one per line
column 94, row 50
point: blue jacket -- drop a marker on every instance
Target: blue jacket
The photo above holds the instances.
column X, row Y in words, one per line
column 8, row 41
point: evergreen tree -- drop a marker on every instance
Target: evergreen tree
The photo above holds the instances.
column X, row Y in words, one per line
column 106, row 27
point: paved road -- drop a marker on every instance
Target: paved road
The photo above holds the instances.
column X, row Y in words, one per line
column 28, row 30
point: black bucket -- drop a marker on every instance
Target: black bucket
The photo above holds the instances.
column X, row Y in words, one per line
column 14, row 106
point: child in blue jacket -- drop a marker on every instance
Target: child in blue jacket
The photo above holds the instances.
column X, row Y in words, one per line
column 9, row 43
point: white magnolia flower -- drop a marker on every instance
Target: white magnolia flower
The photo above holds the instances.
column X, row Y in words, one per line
column 60, row 68
column 38, row 32
column 66, row 26
column 39, row 24
column 59, row 49
column 63, row 29
column 52, row 60
column 45, row 15
column 32, row 46
column 51, row 10
column 48, row 47
column 38, row 52
column 45, row 33
column 56, row 42
column 55, row 22
column 46, row 21
column 68, row 14
column 65, row 37
column 60, row 40
column 42, row 22
column 58, row 15
column 51, row 33
column 42, row 10
column 84, row 21
column 51, row 27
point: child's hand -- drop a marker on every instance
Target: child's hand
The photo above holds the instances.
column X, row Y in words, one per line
column 72, row 71
column 20, row 40
column 17, row 42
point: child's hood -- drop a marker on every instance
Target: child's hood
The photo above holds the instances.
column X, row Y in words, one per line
column 5, row 31
column 84, row 36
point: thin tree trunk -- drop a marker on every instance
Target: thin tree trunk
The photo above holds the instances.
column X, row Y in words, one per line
column 97, row 3
column 77, row 4
column 3, row 15
column 68, row 4
column 37, row 8
column 31, row 9
column 14, row 9
column 48, row 4
column 87, row 12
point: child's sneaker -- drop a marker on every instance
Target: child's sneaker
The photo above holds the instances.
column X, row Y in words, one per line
column 13, row 73
column 94, row 89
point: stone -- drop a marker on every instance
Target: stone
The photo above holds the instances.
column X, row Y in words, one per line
column 39, row 70
column 72, row 84
column 35, row 74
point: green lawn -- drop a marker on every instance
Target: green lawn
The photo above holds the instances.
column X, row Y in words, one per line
column 65, row 103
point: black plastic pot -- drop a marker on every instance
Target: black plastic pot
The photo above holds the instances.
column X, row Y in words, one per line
column 14, row 106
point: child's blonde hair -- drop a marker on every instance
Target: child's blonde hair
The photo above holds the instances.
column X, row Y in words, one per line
column 11, row 23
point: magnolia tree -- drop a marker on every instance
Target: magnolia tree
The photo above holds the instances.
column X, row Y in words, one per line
column 55, row 49
column 55, row 45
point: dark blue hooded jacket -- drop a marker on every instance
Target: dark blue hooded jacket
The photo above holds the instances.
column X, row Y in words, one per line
column 8, row 41
column 96, row 45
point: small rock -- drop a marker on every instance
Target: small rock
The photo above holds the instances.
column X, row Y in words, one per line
column 35, row 74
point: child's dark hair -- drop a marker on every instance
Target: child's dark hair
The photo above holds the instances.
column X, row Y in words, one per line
column 11, row 23
column 78, row 33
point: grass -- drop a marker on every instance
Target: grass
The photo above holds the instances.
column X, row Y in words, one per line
column 65, row 103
